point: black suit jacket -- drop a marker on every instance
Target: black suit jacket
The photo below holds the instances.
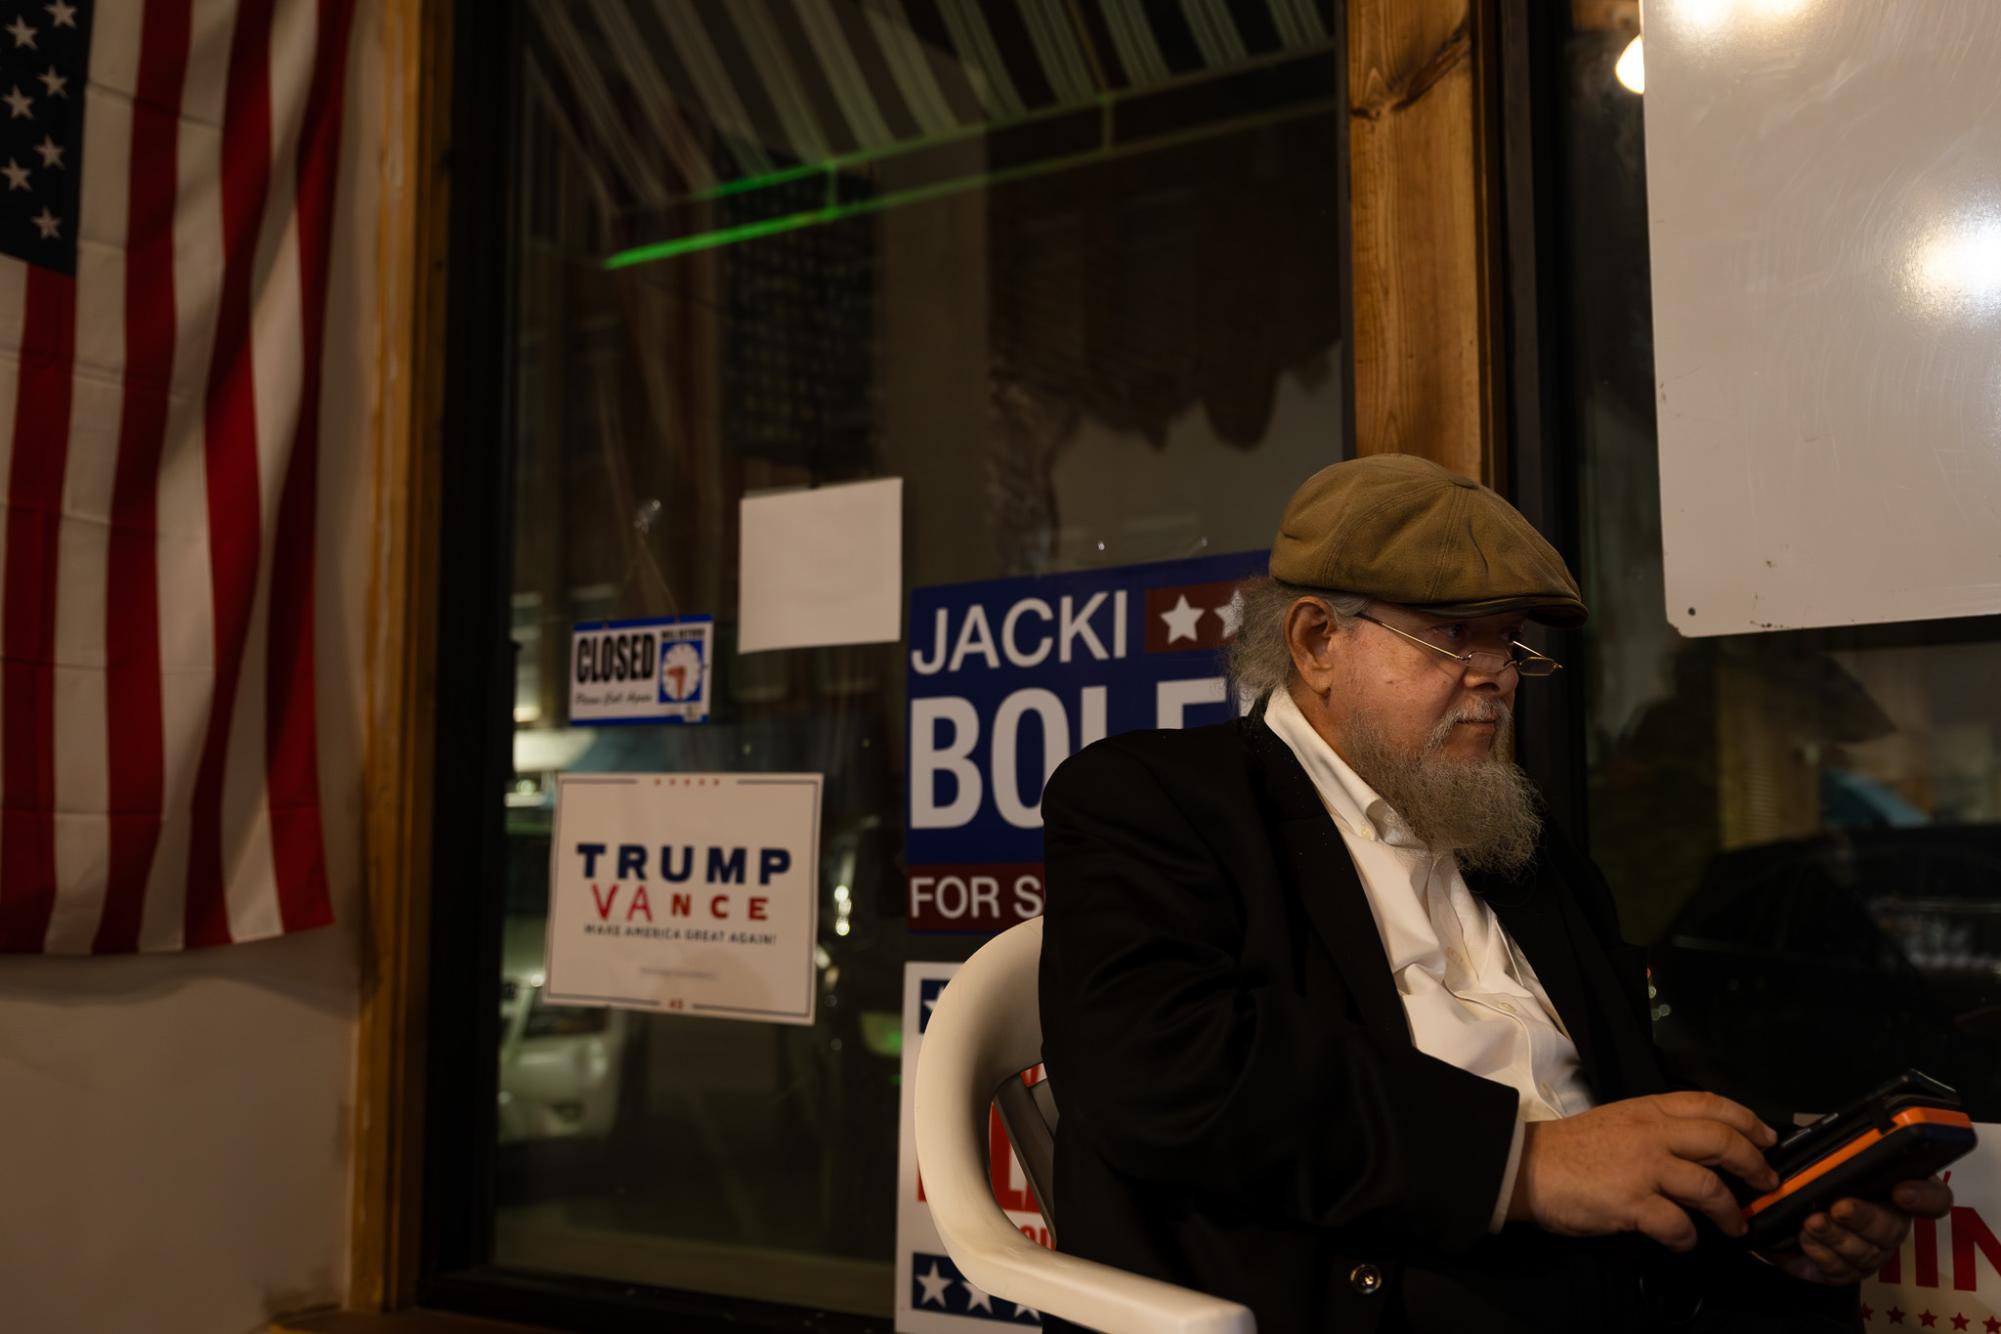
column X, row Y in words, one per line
column 1242, row 1109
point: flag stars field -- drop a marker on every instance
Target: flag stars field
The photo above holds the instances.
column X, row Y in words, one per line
column 23, row 33
column 54, row 82
column 20, row 104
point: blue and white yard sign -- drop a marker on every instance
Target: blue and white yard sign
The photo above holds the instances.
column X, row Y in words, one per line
column 932, row 1296
column 1008, row 677
column 650, row 671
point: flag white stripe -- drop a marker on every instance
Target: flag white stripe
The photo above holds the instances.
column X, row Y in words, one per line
column 210, row 24
column 83, row 777
column 250, row 877
column 187, row 612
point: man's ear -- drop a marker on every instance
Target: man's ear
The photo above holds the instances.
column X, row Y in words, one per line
column 1310, row 634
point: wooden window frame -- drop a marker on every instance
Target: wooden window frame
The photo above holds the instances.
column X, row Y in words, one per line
column 1425, row 283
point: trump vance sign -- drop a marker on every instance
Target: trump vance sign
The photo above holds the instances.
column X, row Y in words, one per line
column 691, row 893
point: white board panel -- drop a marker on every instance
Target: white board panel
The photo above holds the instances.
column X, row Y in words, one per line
column 1824, row 185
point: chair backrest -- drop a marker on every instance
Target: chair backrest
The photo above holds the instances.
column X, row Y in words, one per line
column 983, row 1032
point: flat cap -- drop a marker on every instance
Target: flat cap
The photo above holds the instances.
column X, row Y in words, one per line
column 1403, row 529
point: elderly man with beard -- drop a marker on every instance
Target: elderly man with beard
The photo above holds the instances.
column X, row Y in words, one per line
column 1341, row 1028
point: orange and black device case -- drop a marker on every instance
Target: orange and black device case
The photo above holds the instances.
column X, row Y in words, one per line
column 1904, row 1131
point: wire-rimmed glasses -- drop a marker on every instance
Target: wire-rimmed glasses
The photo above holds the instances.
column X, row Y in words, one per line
column 1525, row 660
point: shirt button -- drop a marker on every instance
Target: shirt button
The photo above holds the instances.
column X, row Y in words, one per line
column 1366, row 1279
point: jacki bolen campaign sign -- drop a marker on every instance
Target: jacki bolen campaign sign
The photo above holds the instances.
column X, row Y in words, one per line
column 1008, row 677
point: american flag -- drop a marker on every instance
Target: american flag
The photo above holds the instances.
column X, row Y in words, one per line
column 166, row 215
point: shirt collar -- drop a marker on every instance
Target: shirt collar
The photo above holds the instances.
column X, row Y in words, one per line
column 1355, row 806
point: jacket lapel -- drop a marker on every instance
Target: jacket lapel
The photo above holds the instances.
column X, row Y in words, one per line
column 1534, row 913
column 1321, row 877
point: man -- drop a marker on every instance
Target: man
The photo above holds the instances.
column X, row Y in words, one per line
column 1340, row 1029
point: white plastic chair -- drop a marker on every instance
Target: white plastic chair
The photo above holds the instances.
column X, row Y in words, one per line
column 984, row 1031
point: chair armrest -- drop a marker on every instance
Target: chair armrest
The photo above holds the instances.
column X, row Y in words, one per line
column 979, row 1034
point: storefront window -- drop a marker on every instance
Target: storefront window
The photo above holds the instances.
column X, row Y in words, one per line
column 1073, row 273
column 1805, row 826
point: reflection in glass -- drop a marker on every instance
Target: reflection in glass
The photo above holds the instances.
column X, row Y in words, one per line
column 1805, row 827
column 1074, row 278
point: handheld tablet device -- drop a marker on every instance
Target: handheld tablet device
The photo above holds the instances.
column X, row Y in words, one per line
column 1904, row 1131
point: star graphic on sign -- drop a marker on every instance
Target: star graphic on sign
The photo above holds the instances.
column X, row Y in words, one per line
column 977, row 1300
column 1868, row 1312
column 23, row 34
column 1959, row 1322
column 1181, row 619
column 1231, row 613
column 51, row 151
column 1896, row 1316
column 19, row 102
column 1993, row 1325
column 62, row 15
column 16, row 174
column 935, row 1284
column 49, row 225
column 54, row 82
column 1927, row 1319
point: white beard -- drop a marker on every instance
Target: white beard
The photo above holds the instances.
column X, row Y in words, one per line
column 1485, row 811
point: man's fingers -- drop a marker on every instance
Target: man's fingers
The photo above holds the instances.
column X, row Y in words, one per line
column 1666, row 1224
column 1699, row 1188
column 1715, row 1144
column 1713, row 1107
column 1930, row 1198
column 1881, row 1229
column 1834, row 1267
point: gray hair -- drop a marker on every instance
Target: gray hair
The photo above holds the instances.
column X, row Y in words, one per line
column 1260, row 658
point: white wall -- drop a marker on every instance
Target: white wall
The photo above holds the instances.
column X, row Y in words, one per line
column 174, row 1130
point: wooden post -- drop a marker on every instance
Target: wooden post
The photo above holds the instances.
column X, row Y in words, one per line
column 401, row 653
column 1422, row 135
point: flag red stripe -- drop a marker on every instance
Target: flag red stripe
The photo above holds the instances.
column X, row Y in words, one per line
column 230, row 419
column 28, row 626
column 134, row 757
column 291, row 738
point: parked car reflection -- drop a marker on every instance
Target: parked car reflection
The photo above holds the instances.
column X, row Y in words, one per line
column 560, row 1065
column 1803, row 971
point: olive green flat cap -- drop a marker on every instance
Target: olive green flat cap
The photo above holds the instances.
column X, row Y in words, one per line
column 1403, row 529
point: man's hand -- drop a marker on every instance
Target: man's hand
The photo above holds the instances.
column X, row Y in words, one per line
column 1855, row 1238
column 1634, row 1166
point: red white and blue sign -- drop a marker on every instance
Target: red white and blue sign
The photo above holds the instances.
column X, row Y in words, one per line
column 1008, row 677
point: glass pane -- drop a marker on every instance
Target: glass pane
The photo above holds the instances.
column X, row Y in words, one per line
column 1804, row 826
column 1079, row 288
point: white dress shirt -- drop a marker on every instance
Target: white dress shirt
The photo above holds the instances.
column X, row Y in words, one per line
column 1470, row 995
